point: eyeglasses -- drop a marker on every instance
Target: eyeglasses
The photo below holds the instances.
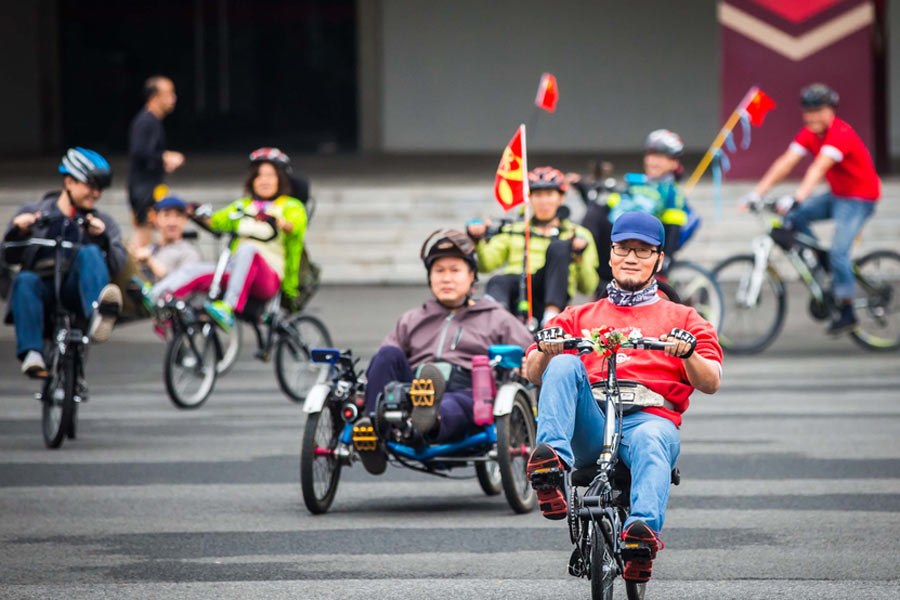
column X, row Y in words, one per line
column 642, row 253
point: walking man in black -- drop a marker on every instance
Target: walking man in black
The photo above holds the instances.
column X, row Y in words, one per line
column 150, row 161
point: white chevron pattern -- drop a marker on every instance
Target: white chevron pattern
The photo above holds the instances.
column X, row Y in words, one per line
column 796, row 48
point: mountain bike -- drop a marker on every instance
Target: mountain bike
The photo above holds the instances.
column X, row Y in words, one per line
column 756, row 295
column 65, row 345
column 498, row 451
column 597, row 516
column 195, row 346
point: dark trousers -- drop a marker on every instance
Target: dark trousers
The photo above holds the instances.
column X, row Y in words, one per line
column 550, row 285
column 596, row 220
column 390, row 364
column 32, row 296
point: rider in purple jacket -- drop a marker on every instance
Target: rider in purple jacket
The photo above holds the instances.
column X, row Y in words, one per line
column 437, row 341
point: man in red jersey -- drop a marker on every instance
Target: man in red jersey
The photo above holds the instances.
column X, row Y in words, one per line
column 570, row 421
column 843, row 160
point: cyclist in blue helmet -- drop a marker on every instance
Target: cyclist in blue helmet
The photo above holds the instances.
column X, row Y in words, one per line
column 86, row 289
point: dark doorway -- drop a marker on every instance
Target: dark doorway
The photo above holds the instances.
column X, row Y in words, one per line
column 247, row 74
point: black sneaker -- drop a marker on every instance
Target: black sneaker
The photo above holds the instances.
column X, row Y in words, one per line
column 368, row 447
column 547, row 473
column 426, row 393
column 845, row 322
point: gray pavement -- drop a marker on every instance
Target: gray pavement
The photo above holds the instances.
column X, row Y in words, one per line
column 791, row 488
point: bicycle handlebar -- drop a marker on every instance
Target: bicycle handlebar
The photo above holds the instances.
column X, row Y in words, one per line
column 235, row 215
column 587, row 345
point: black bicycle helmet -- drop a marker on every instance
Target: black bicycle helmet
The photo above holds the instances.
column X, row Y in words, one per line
column 87, row 167
column 818, row 95
column 547, row 178
column 665, row 142
column 448, row 242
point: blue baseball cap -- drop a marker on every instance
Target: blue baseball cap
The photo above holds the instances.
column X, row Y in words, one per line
column 636, row 225
column 170, row 202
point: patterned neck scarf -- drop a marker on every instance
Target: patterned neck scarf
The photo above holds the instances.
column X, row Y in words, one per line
column 620, row 297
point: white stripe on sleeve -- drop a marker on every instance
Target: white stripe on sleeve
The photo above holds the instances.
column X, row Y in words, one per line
column 798, row 149
column 832, row 153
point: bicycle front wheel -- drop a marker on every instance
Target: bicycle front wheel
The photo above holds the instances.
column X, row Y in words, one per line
column 58, row 401
column 190, row 366
column 515, row 441
column 603, row 562
column 697, row 288
column 320, row 469
column 754, row 310
column 878, row 301
column 294, row 368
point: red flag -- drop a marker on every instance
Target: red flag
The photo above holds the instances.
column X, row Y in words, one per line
column 548, row 93
column 509, row 185
column 758, row 106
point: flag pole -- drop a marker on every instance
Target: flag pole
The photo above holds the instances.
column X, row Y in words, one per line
column 719, row 141
column 526, row 191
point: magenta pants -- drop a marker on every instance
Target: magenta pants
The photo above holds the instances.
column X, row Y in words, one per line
column 247, row 275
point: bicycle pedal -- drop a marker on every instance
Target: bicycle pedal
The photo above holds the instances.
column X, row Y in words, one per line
column 364, row 438
column 546, row 478
column 262, row 355
column 576, row 564
column 422, row 392
column 636, row 551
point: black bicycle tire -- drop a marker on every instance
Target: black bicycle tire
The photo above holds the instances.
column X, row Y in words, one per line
column 764, row 341
column 600, row 549
column 168, row 374
column 280, row 347
column 519, row 502
column 67, row 371
column 855, row 334
column 315, row 504
column 488, row 486
column 635, row 590
column 72, row 427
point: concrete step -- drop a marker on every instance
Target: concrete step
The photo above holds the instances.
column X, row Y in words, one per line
column 373, row 233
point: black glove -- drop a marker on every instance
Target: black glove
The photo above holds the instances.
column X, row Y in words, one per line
column 550, row 334
column 684, row 336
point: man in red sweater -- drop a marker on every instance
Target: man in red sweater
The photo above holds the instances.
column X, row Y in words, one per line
column 570, row 422
column 841, row 158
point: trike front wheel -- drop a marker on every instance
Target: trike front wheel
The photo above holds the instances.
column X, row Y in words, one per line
column 320, row 469
column 515, row 441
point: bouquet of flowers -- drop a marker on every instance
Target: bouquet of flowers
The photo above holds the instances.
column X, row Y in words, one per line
column 607, row 340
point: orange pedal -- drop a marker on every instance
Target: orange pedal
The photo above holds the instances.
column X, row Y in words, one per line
column 422, row 392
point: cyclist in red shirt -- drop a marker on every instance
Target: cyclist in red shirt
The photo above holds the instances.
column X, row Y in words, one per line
column 843, row 160
column 570, row 422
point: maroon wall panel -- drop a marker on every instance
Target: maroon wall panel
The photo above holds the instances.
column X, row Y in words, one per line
column 829, row 41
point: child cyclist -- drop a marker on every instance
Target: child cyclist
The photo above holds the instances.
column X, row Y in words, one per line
column 655, row 192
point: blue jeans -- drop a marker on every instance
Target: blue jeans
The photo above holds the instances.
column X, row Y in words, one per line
column 571, row 422
column 32, row 296
column 849, row 215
